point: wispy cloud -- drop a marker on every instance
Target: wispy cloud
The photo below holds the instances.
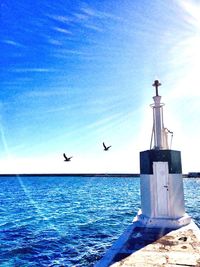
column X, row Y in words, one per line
column 13, row 43
column 84, row 17
column 17, row 81
column 94, row 27
column 81, row 16
column 46, row 93
column 65, row 53
column 55, row 42
column 94, row 19
column 99, row 14
column 89, row 11
column 31, row 70
column 62, row 30
column 64, row 35
column 63, row 19
column 103, row 122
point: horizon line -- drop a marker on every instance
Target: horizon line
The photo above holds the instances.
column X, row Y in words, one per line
column 70, row 174
column 81, row 174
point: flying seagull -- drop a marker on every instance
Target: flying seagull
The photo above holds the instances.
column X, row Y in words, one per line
column 66, row 158
column 106, row 147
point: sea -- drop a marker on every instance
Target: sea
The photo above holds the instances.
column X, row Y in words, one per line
column 70, row 220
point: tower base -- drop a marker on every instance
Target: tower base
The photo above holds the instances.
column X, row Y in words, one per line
column 162, row 222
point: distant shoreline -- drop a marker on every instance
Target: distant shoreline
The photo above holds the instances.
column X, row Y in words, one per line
column 76, row 174
column 125, row 175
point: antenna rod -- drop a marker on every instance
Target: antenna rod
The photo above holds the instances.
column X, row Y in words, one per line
column 156, row 84
column 157, row 118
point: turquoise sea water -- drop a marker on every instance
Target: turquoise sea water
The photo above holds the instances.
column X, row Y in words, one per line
column 69, row 221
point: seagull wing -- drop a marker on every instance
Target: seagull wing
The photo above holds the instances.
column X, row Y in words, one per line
column 65, row 156
column 104, row 145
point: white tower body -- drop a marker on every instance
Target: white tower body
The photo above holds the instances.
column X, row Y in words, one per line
column 158, row 126
column 162, row 196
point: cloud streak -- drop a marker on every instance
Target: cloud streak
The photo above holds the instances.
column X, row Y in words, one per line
column 13, row 43
column 33, row 94
column 39, row 70
column 63, row 30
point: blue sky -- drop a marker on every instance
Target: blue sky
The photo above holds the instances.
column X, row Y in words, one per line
column 77, row 73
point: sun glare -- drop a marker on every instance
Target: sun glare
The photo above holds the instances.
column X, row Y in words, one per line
column 185, row 54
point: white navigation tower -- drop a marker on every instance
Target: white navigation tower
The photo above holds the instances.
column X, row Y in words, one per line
column 161, row 234
column 162, row 196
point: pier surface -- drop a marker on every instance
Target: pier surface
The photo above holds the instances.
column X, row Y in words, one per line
column 141, row 246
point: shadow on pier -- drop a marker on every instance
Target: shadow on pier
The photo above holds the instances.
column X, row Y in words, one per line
column 140, row 238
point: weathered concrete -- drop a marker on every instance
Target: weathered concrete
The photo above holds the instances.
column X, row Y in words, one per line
column 141, row 246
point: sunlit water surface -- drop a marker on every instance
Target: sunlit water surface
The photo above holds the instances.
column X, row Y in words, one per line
column 69, row 221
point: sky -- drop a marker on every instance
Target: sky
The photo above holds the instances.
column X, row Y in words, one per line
column 74, row 74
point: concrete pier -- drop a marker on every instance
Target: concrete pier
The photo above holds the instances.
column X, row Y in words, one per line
column 142, row 246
